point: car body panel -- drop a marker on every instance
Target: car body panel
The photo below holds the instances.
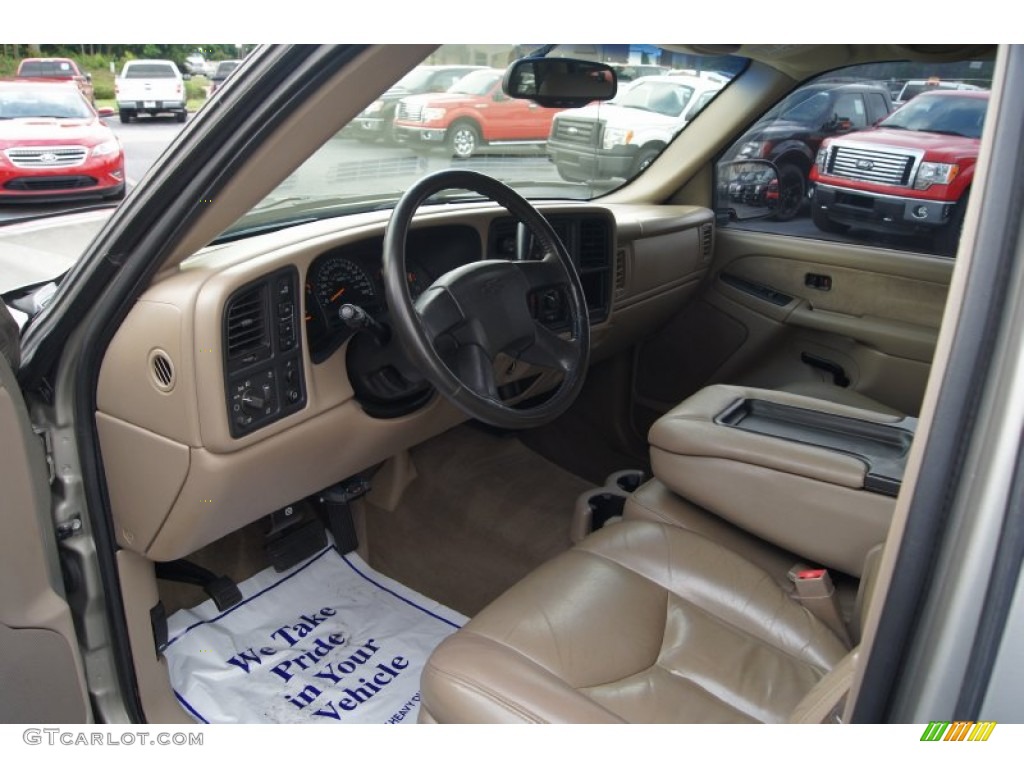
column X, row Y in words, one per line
column 150, row 86
column 48, row 158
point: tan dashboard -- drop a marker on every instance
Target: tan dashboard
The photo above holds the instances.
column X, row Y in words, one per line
column 180, row 475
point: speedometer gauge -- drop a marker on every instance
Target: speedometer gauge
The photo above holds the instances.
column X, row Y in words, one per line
column 340, row 281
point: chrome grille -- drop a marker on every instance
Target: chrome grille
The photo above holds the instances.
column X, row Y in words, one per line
column 861, row 163
column 576, row 131
column 411, row 112
column 46, row 157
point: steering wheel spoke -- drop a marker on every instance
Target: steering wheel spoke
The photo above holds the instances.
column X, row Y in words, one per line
column 438, row 312
column 475, row 369
column 547, row 273
column 549, row 350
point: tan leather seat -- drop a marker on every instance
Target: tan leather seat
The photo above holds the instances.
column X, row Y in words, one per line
column 642, row 622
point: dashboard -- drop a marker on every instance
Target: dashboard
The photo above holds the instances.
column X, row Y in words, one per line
column 239, row 376
column 352, row 274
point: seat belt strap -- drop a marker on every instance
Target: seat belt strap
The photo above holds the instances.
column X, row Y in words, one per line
column 815, row 591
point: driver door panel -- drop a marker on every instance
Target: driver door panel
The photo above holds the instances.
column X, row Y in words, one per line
column 40, row 666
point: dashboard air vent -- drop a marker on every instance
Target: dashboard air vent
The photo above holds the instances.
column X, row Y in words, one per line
column 594, row 248
column 620, row 272
column 162, row 369
column 247, row 322
column 706, row 241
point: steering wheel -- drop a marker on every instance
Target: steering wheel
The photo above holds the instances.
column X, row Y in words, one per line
column 458, row 326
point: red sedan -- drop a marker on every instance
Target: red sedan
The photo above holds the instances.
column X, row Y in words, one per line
column 54, row 146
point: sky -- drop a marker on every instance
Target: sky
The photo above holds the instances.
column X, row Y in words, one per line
column 410, row 21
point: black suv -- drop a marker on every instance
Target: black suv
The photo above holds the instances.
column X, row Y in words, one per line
column 790, row 134
column 376, row 121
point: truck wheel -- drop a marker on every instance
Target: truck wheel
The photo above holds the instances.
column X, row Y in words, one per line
column 792, row 191
column 821, row 220
column 125, row 116
column 643, row 160
column 181, row 117
column 947, row 239
column 463, row 140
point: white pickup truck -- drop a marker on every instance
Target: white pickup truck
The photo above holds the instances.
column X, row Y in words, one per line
column 150, row 87
column 621, row 137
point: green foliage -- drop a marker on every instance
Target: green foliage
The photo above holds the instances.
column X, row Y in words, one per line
column 103, row 90
column 194, row 91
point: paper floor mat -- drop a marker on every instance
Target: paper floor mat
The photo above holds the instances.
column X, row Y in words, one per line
column 330, row 641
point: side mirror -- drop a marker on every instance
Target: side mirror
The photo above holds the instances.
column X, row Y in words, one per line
column 88, row 77
column 106, row 112
column 747, row 189
column 560, row 83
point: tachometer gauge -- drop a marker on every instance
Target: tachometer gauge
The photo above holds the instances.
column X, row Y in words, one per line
column 418, row 280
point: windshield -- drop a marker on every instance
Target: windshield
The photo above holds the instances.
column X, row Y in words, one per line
column 656, row 96
column 476, row 83
column 54, row 69
column 149, row 71
column 224, row 69
column 544, row 153
column 51, row 102
column 417, row 80
column 954, row 114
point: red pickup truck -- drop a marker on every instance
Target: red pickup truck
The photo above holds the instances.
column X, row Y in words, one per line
column 470, row 114
column 57, row 69
column 909, row 174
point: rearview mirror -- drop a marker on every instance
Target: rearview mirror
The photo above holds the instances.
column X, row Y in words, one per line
column 561, row 83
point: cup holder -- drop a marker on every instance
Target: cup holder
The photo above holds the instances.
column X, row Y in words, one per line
column 594, row 509
column 628, row 480
column 600, row 506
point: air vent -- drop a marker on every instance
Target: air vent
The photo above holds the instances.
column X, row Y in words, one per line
column 594, row 246
column 620, row 272
column 162, row 368
column 247, row 322
column 707, row 232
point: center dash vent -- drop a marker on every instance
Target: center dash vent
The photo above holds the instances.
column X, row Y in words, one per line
column 706, row 241
column 246, row 325
column 595, row 251
column 620, row 272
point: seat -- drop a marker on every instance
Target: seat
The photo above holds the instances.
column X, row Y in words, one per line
column 643, row 623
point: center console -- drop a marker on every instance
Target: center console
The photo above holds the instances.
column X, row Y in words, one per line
column 816, row 478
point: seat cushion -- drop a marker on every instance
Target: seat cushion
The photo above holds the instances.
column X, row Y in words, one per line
column 642, row 622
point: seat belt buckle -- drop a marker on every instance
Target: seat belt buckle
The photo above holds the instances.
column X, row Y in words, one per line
column 817, row 593
column 811, row 582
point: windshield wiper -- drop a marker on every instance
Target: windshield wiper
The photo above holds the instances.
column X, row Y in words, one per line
column 948, row 133
column 277, row 202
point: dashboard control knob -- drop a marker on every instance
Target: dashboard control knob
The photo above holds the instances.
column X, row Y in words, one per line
column 253, row 401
